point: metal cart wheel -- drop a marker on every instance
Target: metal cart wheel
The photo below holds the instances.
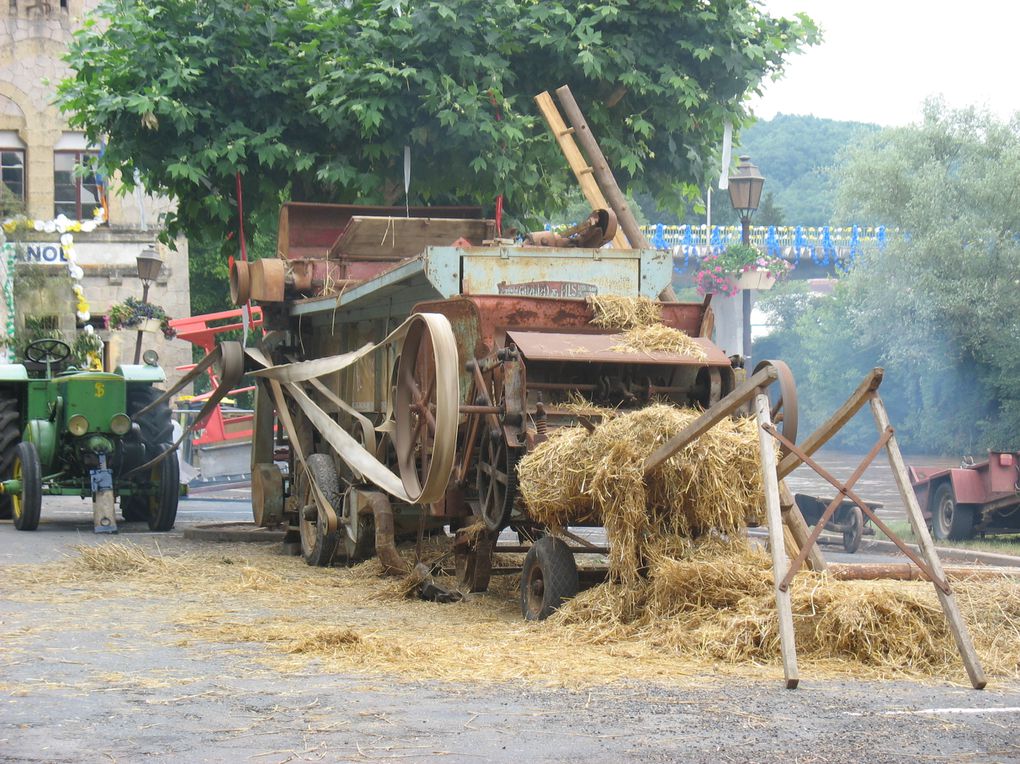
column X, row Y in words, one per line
column 497, row 480
column 474, row 562
column 854, row 522
column 548, row 579
column 950, row 520
column 318, row 546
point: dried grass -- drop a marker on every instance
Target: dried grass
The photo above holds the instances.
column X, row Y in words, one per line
column 618, row 312
column 658, row 338
column 709, row 486
column 705, row 607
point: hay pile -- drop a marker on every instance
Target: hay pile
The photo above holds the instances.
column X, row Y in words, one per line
column 641, row 320
column 616, row 312
column 715, row 599
column 712, row 485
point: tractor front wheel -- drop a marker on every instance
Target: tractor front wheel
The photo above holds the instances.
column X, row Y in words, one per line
column 10, row 434
column 27, row 504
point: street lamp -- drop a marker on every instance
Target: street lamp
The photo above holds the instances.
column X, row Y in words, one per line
column 149, row 265
column 745, row 194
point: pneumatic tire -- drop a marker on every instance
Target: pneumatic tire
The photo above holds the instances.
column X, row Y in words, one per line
column 548, row 579
column 10, row 435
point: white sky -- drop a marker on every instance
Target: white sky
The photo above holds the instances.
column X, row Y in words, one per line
column 880, row 59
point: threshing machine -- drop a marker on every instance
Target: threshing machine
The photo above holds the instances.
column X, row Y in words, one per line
column 412, row 358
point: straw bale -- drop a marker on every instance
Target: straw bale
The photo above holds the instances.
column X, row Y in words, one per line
column 712, row 485
column 619, row 312
column 659, row 338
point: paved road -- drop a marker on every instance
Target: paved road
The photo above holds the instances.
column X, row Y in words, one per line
column 87, row 694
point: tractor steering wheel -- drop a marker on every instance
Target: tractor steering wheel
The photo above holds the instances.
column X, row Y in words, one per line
column 47, row 351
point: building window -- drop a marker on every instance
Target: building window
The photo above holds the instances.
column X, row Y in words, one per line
column 12, row 175
column 75, row 195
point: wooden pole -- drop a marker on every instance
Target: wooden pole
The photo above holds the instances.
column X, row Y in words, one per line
column 799, row 528
column 920, row 528
column 583, row 173
column 600, row 169
column 784, row 607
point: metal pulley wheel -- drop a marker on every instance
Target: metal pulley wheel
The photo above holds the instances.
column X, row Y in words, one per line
column 496, row 479
column 782, row 401
column 426, row 407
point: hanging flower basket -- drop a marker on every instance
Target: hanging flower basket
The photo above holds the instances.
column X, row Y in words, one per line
column 738, row 268
column 756, row 280
column 141, row 316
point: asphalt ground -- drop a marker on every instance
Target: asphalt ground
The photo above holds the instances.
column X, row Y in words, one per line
column 92, row 691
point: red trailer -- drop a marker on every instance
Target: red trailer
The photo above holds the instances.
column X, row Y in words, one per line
column 977, row 497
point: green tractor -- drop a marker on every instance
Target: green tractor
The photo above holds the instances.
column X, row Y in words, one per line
column 85, row 433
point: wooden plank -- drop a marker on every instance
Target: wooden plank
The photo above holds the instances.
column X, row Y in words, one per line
column 394, row 238
column 835, row 423
column 784, row 606
column 711, row 417
column 576, row 160
column 904, row 571
column 799, row 528
column 920, row 528
column 600, row 167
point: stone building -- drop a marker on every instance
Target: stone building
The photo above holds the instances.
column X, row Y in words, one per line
column 38, row 155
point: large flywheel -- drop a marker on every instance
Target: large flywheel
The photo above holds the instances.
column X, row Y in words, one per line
column 426, row 407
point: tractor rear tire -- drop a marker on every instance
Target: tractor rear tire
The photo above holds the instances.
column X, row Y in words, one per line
column 156, row 425
column 951, row 521
column 10, row 434
column 548, row 579
column 27, row 506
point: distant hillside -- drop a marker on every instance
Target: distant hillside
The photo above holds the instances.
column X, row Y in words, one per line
column 792, row 153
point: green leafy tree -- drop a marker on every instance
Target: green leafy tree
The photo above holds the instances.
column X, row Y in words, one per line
column 315, row 100
column 939, row 307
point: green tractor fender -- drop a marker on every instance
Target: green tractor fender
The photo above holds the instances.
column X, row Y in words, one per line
column 43, row 434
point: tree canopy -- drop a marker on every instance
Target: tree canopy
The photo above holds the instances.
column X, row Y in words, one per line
column 939, row 308
column 315, row 100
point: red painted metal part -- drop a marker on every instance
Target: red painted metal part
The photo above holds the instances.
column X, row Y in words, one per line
column 987, row 481
column 202, row 331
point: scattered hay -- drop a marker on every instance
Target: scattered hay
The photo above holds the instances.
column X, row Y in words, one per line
column 707, row 607
column 712, row 485
column 617, row 312
column 124, row 559
column 717, row 602
column 658, row 338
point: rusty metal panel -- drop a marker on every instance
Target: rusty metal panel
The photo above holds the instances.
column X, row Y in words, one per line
column 597, row 348
column 570, row 273
column 968, row 486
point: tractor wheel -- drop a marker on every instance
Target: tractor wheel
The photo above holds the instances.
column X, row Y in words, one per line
column 548, row 579
column 27, row 505
column 318, row 546
column 951, row 521
column 10, row 434
column 160, row 508
column 156, row 425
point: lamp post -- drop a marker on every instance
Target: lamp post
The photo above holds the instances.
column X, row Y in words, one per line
column 745, row 194
column 149, row 266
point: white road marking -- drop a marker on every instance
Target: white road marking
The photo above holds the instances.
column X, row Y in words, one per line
column 938, row 711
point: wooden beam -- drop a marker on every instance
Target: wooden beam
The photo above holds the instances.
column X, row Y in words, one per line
column 904, row 571
column 565, row 139
column 835, row 423
column 784, row 606
column 711, row 417
column 920, row 528
column 600, row 167
column 799, row 528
